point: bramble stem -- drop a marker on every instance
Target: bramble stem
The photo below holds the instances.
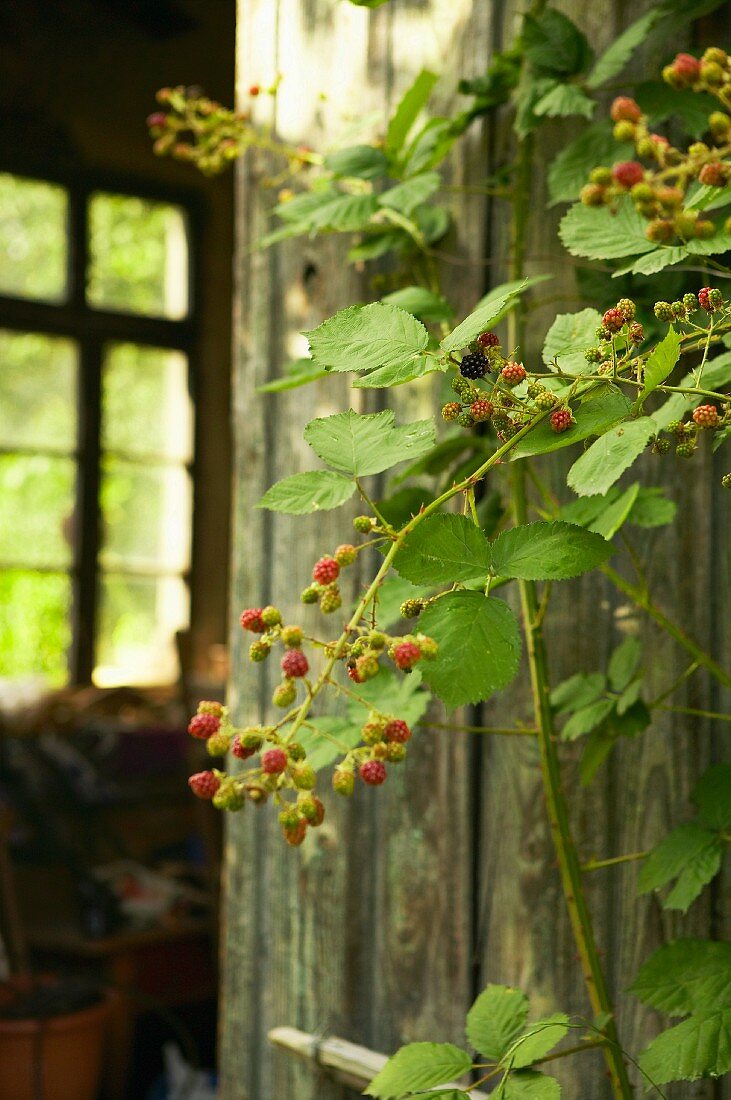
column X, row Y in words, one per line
column 597, row 864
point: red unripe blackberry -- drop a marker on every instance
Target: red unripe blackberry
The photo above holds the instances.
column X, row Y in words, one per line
column 346, row 554
column 625, row 109
column 204, row 784
column 627, row 173
column 240, row 750
column 474, row 365
column 325, row 571
column 251, row 620
column 406, row 654
column 704, row 299
column 373, row 772
column 451, row 411
column 330, row 600
column 613, row 319
column 295, row 834
column 204, row 725
column 488, row 340
column 157, row 120
column 659, row 229
column 561, row 420
column 706, row 416
column 254, row 89
column 636, row 332
column 686, row 68
column 312, row 810
column 354, row 675
column 593, row 194
column 513, row 373
column 294, row 663
column 273, row 761
column 713, row 175
column 397, row 730
column 481, row 410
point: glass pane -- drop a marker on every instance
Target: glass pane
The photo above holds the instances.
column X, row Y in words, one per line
column 138, row 256
column 33, row 238
column 146, row 407
column 36, row 510
column 146, row 511
column 38, row 378
column 35, row 626
column 138, row 621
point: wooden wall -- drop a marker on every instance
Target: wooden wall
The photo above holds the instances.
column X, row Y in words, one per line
column 392, row 917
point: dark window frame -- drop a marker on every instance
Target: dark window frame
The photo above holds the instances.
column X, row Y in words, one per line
column 93, row 328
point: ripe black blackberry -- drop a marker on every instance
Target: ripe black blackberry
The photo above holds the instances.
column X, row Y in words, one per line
column 474, row 365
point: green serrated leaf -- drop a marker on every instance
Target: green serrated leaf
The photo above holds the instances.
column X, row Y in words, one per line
column 488, row 311
column 553, row 44
column 365, row 338
column 448, row 1094
column 321, row 750
column 538, row 1040
column 429, row 146
column 569, row 170
column 565, row 100
column 597, row 748
column 624, row 662
column 698, row 1047
column 578, row 691
column 586, row 719
column 360, row 444
column 661, row 102
column 629, row 696
column 587, row 510
column 616, row 56
column 712, row 796
column 592, row 418
column 404, row 696
column 547, row 551
column 407, row 111
column 598, row 234
column 479, row 647
column 344, row 213
column 299, row 373
column 362, row 161
column 406, row 196
column 496, row 1019
column 654, row 261
column 568, row 338
column 421, row 303
column 527, row 1084
column 444, row 549
column 720, row 242
column 690, row 854
column 652, row 509
column 615, row 514
column 419, row 1066
column 607, row 458
column 659, row 365
column 301, row 494
column 687, row 975
column 709, row 198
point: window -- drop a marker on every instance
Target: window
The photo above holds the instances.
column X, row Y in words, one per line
column 96, row 433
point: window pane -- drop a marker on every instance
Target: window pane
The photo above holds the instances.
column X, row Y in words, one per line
column 33, row 240
column 37, row 391
column 146, row 511
column 146, row 407
column 138, row 256
column 36, row 510
column 35, row 626
column 137, row 624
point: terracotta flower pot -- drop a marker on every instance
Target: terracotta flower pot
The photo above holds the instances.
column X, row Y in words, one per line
column 57, row 1058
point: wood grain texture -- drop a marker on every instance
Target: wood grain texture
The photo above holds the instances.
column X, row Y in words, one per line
column 383, row 927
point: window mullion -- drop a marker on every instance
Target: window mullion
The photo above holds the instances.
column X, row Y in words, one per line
column 88, row 528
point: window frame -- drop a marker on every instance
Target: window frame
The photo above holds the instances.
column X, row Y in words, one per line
column 92, row 329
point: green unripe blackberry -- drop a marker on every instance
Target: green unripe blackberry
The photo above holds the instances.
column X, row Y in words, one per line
column 296, row 752
column 410, row 609
column 465, row 420
column 331, row 600
column 690, row 302
column 251, row 738
column 500, row 421
column 594, row 355
column 377, row 640
column 679, row 312
column 627, row 308
column 292, row 636
column 546, row 400
column 311, row 594
column 601, row 175
column 285, row 693
column 259, row 651
column 395, row 753
column 303, row 777
column 343, row 781
column 534, row 388
column 364, row 524
column 663, row 311
column 272, row 616
column 685, row 450
column 660, row 446
column 461, row 386
column 229, row 796
column 451, row 411
column 726, row 481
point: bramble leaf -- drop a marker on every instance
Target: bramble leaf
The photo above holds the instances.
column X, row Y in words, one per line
column 496, row 1019
column 422, row 303
column 568, row 338
column 616, row 56
column 565, row 100
column 539, row 1038
column 406, row 196
column 615, row 514
column 592, row 418
column 578, row 691
column 586, row 719
column 479, row 647
column 597, row 234
column 528, row 1084
column 690, row 854
column 547, row 551
column 624, row 662
column 569, row 170
column 555, row 45
column 652, row 509
column 698, row 1047
column 299, row 373
column 321, row 751
column 712, row 796
column 366, row 338
column 407, row 111
column 363, row 161
column 404, row 696
column 660, row 364
column 609, row 456
column 687, row 975
column 488, row 311
column 314, row 491
column 419, row 1066
column 444, row 549
column 360, row 444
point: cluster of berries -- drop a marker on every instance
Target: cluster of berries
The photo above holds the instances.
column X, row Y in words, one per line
column 709, row 299
column 619, row 332
column 384, row 742
column 282, row 769
column 267, row 622
column 362, row 657
column 686, row 433
column 324, row 588
column 199, row 131
column 658, row 191
column 506, row 413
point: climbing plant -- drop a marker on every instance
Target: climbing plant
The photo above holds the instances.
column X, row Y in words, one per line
column 647, row 372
